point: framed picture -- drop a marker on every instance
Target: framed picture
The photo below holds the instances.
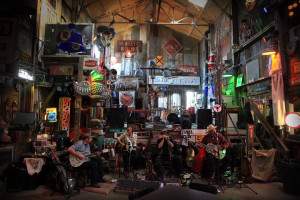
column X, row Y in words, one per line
column 78, row 103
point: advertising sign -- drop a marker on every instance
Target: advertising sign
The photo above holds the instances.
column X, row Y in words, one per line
column 131, row 45
column 90, row 63
column 188, row 70
column 172, row 47
column 180, row 80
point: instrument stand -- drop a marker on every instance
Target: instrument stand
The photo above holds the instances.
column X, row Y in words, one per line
column 240, row 181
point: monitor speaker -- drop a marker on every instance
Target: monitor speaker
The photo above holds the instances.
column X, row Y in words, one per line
column 204, row 118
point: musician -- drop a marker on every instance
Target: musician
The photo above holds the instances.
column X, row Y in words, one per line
column 210, row 162
column 94, row 165
column 167, row 151
column 128, row 141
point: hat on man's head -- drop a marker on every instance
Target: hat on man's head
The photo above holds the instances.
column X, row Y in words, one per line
column 164, row 131
column 210, row 127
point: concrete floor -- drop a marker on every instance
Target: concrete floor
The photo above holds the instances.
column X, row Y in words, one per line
column 272, row 190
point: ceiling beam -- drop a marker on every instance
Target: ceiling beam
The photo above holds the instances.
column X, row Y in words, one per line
column 217, row 4
column 159, row 5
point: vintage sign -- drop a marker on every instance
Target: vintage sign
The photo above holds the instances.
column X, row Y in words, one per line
column 295, row 81
column 227, row 25
column 127, row 98
column 172, row 47
column 297, row 67
column 159, row 60
column 51, row 114
column 53, row 31
column 250, row 136
column 90, row 63
column 188, row 70
column 217, row 108
column 293, row 120
column 7, row 40
column 61, row 70
column 132, row 45
column 180, row 80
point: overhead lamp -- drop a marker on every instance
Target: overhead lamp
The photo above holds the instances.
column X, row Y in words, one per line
column 44, row 83
column 271, row 48
column 166, row 73
column 139, row 73
column 226, row 75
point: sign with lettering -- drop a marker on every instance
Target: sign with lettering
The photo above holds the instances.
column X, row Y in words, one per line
column 172, row 47
column 90, row 63
column 188, row 70
column 295, row 81
column 61, row 70
column 180, row 80
column 132, row 45
column 7, row 40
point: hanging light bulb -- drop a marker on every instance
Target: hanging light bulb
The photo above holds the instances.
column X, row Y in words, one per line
column 291, row 13
column 295, row 4
column 290, row 7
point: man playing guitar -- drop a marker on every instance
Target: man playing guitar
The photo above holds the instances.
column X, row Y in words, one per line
column 93, row 164
column 211, row 161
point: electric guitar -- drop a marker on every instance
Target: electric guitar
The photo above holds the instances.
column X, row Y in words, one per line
column 211, row 148
column 76, row 162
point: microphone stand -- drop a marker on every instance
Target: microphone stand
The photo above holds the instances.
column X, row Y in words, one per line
column 170, row 152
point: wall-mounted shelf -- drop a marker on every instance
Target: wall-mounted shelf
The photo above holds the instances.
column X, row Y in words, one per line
column 255, row 37
column 255, row 82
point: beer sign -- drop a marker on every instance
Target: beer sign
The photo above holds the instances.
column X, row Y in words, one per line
column 90, row 63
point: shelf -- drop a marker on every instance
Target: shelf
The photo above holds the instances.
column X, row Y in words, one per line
column 255, row 37
column 255, row 82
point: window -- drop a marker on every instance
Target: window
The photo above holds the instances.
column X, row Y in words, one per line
column 191, row 99
column 163, row 102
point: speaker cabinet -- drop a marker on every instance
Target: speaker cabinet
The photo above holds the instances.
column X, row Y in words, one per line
column 204, row 118
column 116, row 117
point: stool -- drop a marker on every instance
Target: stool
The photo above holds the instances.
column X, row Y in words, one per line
column 81, row 176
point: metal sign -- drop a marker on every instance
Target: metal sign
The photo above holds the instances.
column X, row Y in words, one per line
column 90, row 63
column 293, row 120
column 180, row 80
column 159, row 60
column 217, row 108
column 172, row 47
column 131, row 45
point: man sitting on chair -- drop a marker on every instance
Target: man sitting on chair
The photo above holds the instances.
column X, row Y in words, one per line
column 94, row 165
column 210, row 168
column 167, row 152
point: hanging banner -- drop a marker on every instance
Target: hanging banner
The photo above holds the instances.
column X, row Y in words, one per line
column 127, row 98
column 90, row 63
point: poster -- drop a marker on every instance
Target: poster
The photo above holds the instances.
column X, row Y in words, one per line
column 51, row 114
column 127, row 98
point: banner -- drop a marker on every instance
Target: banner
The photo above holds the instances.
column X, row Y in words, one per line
column 127, row 98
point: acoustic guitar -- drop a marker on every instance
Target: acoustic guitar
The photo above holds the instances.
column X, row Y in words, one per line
column 76, row 162
column 211, row 148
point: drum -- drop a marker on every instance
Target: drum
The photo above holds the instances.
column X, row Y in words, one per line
column 172, row 118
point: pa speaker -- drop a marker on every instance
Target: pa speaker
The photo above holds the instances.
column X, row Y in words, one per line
column 204, row 118
column 116, row 117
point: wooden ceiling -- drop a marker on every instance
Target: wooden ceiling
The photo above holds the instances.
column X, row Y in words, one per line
column 127, row 13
